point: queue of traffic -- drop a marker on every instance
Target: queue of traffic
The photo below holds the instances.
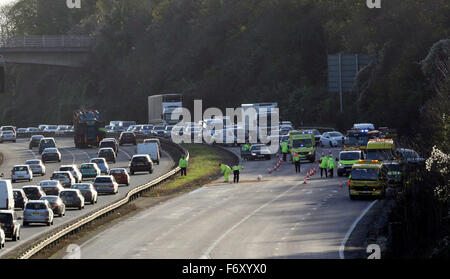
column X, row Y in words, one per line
column 71, row 186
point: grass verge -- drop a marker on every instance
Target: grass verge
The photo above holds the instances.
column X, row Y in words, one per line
column 203, row 168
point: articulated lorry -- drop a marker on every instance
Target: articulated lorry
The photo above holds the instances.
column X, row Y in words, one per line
column 88, row 128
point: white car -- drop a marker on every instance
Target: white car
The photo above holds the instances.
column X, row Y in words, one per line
column 74, row 171
column 7, row 136
column 106, row 184
column 332, row 139
column 62, row 129
column 32, row 130
column 21, row 172
column 65, row 177
column 50, row 128
column 2, row 238
column 36, row 166
column 38, row 211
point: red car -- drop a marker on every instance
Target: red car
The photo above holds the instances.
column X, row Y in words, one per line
column 120, row 175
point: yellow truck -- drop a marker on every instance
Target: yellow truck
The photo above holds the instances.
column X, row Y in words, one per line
column 368, row 179
column 303, row 143
column 381, row 150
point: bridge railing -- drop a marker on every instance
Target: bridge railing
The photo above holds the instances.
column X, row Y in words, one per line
column 48, row 41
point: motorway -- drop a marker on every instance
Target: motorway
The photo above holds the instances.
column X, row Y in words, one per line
column 279, row 217
column 18, row 153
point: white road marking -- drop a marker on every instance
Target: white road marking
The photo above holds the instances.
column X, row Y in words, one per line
column 128, row 155
column 341, row 249
column 73, row 156
column 33, row 154
column 206, row 255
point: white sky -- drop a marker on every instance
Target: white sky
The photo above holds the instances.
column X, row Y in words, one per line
column 3, row 2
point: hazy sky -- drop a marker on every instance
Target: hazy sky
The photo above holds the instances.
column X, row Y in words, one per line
column 2, row 2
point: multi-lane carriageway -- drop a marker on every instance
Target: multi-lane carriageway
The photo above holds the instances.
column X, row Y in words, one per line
column 18, row 153
column 279, row 217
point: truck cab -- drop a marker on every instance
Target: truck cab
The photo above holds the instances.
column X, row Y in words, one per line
column 368, row 178
column 347, row 159
column 381, row 150
column 303, row 143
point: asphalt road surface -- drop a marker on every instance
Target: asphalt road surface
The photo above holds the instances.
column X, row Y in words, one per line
column 18, row 153
column 279, row 217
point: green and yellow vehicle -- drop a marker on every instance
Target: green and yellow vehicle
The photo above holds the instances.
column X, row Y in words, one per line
column 381, row 150
column 303, row 143
column 347, row 159
column 368, row 179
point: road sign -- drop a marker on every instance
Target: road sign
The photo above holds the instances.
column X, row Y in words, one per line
column 342, row 70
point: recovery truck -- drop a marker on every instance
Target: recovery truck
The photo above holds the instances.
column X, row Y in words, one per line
column 88, row 128
column 303, row 143
column 368, row 178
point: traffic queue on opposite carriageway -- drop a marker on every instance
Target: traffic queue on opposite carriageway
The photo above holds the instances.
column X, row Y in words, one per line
column 69, row 186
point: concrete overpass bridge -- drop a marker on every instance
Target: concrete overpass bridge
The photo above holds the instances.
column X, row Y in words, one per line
column 61, row 50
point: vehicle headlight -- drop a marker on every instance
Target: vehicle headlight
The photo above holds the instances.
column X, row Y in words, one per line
column 341, row 165
column 253, row 154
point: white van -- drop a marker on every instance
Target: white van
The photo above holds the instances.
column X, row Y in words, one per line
column 150, row 148
column 6, row 195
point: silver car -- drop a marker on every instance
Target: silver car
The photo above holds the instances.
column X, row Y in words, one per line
column 51, row 187
column 106, row 184
column 7, row 136
column 74, row 171
column 36, row 166
column 88, row 191
column 72, row 198
column 38, row 212
column 21, row 172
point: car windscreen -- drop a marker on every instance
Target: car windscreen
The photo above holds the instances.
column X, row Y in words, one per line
column 107, row 144
column 117, row 171
column 60, row 176
column 98, row 161
column 103, row 180
column 49, row 151
column 66, row 169
column 140, row 159
column 81, row 186
column 65, row 194
column 360, row 140
column 6, row 218
column 335, row 135
column 159, row 128
column 380, row 154
column 33, row 162
column 350, row 156
column 51, row 191
column 17, row 194
column 302, row 143
column 86, row 167
column 35, row 206
column 20, row 168
column 365, row 174
column 30, row 190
